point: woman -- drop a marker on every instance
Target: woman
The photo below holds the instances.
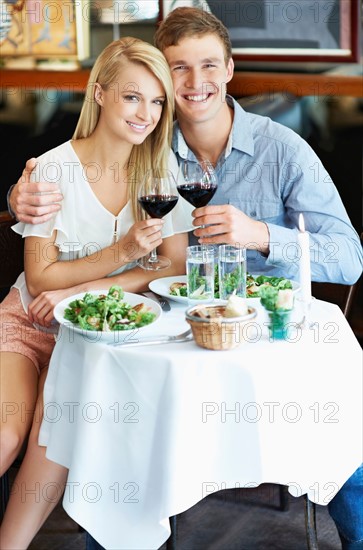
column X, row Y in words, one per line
column 124, row 130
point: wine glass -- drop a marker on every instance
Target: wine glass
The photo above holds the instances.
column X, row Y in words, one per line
column 157, row 196
column 198, row 181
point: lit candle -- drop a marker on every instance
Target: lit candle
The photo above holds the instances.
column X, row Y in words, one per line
column 304, row 266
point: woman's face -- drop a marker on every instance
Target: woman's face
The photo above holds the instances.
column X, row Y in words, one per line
column 132, row 106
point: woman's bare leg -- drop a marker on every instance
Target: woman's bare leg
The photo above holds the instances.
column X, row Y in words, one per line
column 18, row 394
column 37, row 489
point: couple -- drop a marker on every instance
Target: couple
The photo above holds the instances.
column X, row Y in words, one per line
column 265, row 181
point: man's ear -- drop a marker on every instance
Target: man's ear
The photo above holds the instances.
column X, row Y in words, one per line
column 230, row 70
column 98, row 94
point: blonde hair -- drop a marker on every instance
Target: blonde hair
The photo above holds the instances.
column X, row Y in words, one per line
column 190, row 22
column 153, row 153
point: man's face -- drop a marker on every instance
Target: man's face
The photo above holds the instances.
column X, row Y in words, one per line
column 199, row 76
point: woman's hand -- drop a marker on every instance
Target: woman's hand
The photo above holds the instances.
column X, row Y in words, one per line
column 141, row 238
column 41, row 309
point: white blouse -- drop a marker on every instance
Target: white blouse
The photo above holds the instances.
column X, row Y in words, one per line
column 83, row 224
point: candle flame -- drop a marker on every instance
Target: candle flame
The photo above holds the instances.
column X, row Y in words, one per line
column 301, row 223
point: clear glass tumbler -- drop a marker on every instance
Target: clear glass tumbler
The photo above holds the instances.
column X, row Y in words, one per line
column 200, row 273
column 232, row 270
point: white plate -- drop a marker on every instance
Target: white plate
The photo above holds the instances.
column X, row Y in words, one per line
column 162, row 286
column 115, row 335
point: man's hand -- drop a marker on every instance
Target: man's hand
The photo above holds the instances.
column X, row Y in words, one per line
column 34, row 202
column 226, row 224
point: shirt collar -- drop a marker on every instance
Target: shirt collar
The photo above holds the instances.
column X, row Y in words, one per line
column 240, row 137
column 179, row 144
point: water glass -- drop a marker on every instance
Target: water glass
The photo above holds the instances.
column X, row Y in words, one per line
column 232, row 269
column 200, row 273
column 279, row 324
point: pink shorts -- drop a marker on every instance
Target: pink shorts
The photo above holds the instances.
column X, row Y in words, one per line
column 18, row 335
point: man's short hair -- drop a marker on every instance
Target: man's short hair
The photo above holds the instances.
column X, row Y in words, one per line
column 191, row 22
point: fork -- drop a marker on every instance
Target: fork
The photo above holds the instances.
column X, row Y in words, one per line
column 177, row 338
column 163, row 302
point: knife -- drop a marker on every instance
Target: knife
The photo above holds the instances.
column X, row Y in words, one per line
column 163, row 302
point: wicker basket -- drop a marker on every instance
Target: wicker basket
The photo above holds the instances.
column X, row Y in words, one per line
column 213, row 331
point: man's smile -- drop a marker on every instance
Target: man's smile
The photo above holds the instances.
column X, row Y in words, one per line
column 197, row 97
column 201, row 96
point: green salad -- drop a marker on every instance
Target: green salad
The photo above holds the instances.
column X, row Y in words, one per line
column 276, row 299
column 230, row 282
column 178, row 289
column 107, row 312
column 253, row 284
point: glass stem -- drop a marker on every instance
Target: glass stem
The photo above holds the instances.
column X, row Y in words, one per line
column 204, row 246
column 153, row 256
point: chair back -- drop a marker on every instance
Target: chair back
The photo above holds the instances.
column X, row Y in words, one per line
column 342, row 295
column 11, row 253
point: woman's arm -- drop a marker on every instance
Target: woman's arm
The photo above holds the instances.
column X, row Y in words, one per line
column 43, row 271
column 132, row 280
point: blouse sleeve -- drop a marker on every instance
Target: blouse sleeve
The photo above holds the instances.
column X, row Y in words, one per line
column 51, row 168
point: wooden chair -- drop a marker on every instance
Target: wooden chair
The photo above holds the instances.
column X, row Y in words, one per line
column 341, row 295
column 11, row 254
column 344, row 296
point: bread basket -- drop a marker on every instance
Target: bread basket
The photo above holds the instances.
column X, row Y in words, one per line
column 213, row 331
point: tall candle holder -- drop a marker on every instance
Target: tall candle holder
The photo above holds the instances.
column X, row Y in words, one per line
column 304, row 271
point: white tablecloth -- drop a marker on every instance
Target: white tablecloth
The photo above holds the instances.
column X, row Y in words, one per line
column 148, row 432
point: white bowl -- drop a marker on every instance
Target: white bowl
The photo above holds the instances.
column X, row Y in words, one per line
column 116, row 336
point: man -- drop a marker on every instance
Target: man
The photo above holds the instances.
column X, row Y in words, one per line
column 267, row 176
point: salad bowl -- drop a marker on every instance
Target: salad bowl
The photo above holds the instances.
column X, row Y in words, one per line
column 106, row 334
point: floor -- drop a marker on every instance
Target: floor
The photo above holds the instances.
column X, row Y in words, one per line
column 228, row 520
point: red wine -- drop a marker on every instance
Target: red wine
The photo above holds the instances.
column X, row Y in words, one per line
column 157, row 206
column 197, row 194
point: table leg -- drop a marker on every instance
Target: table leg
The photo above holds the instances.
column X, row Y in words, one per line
column 310, row 524
column 172, row 540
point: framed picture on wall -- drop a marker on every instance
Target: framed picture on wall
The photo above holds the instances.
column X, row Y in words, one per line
column 44, row 29
column 299, row 30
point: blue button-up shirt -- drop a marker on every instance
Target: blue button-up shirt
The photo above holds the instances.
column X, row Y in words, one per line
column 272, row 175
